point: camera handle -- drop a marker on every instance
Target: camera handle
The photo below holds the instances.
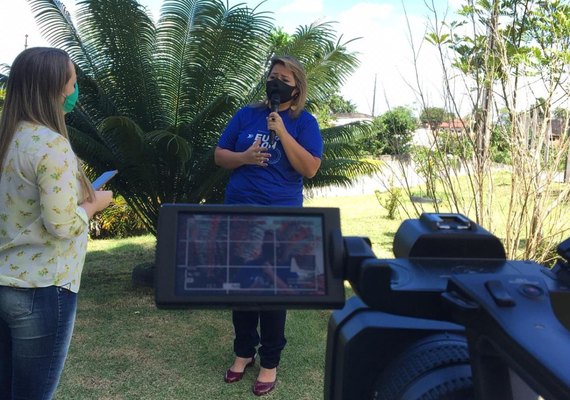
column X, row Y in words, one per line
column 563, row 250
column 510, row 328
column 560, row 275
column 561, row 270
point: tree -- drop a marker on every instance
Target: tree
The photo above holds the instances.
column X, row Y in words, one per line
column 393, row 132
column 540, row 108
column 498, row 51
column 335, row 104
column 561, row 113
column 434, row 116
column 338, row 104
column 155, row 97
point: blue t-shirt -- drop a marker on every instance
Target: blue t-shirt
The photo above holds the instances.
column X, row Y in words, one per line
column 278, row 183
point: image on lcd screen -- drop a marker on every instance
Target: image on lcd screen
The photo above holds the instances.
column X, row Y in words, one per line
column 249, row 254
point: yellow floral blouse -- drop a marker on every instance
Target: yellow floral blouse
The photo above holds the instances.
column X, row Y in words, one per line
column 43, row 231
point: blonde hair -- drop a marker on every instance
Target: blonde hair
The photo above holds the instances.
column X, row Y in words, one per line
column 293, row 65
column 33, row 94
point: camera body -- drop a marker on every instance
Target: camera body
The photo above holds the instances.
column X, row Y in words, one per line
column 448, row 318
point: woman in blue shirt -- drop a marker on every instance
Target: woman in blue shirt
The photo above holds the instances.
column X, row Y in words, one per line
column 270, row 147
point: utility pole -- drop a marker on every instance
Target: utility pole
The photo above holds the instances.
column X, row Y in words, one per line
column 374, row 96
column 26, row 42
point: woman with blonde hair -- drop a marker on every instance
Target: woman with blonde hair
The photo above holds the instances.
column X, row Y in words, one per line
column 46, row 202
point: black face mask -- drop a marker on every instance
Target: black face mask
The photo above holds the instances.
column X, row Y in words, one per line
column 279, row 88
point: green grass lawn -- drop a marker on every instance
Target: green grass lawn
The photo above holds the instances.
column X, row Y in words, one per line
column 125, row 348
column 363, row 216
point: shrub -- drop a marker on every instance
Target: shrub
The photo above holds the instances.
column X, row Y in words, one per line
column 117, row 221
column 391, row 202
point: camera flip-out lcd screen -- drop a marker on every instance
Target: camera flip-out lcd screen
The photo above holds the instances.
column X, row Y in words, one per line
column 247, row 256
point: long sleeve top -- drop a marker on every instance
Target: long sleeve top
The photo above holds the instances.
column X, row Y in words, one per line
column 43, row 230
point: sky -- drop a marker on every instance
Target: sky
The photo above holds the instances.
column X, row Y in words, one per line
column 379, row 27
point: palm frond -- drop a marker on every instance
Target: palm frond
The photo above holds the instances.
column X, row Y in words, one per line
column 94, row 103
column 209, row 121
column 206, row 50
column 347, row 132
column 232, row 43
column 341, row 172
column 121, row 39
column 174, row 37
column 326, row 59
column 89, row 148
column 340, row 141
column 56, row 26
column 171, row 154
column 4, row 72
column 342, row 156
column 210, row 185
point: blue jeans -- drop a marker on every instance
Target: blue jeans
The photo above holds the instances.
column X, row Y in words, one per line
column 35, row 332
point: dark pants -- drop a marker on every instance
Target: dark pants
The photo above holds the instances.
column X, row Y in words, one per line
column 35, row 331
column 271, row 335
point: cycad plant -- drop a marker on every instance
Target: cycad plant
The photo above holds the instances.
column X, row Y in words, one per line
column 154, row 97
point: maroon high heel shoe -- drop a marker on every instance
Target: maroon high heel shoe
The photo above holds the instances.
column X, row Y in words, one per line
column 231, row 376
column 262, row 388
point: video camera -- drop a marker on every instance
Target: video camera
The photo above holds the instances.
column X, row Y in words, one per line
column 448, row 318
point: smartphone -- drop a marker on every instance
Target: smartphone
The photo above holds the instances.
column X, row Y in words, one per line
column 103, row 179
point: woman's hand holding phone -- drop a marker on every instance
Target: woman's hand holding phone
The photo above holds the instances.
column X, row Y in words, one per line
column 102, row 200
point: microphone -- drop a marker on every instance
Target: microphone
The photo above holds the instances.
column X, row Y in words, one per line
column 275, row 101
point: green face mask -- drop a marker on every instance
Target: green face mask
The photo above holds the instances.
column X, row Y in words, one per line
column 70, row 100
